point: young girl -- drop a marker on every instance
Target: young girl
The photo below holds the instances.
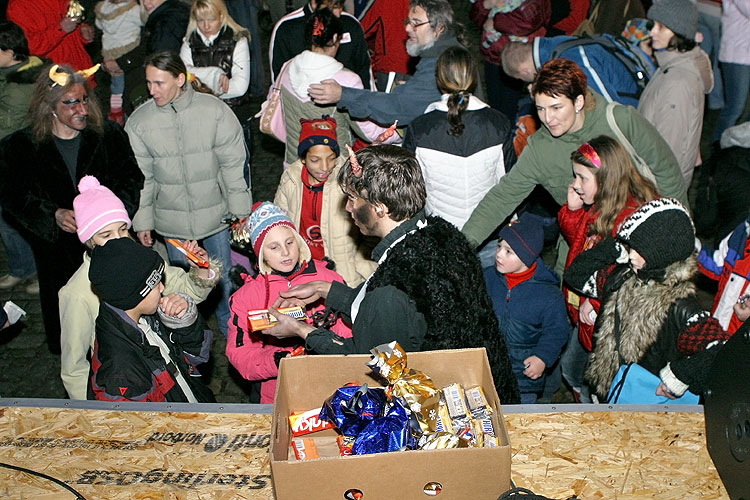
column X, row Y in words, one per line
column 316, row 204
column 650, row 314
column 284, row 260
column 606, row 189
column 101, row 216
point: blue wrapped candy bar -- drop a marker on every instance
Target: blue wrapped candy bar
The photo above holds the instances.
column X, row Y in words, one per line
column 352, row 408
column 386, row 433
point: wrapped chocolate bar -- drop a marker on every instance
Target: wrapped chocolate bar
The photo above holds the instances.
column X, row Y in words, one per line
column 387, row 433
column 477, row 402
column 416, row 388
column 75, row 10
column 351, row 408
column 437, row 441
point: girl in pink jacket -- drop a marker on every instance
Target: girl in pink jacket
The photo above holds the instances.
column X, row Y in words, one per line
column 284, row 260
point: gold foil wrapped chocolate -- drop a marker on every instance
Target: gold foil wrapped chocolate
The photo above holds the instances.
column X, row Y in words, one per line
column 438, row 441
column 75, row 9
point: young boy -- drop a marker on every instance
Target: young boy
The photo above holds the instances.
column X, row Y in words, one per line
column 316, row 204
column 650, row 314
column 146, row 345
column 528, row 304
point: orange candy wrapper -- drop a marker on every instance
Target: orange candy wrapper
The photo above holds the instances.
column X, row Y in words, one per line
column 307, row 422
column 260, row 319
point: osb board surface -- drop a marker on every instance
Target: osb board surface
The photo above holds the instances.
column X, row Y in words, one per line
column 613, row 455
column 144, row 455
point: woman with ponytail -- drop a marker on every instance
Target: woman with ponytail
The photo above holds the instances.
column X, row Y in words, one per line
column 463, row 146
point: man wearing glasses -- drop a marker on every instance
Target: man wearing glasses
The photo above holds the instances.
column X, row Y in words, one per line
column 41, row 166
column 430, row 30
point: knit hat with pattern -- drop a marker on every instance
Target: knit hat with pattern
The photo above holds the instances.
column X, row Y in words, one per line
column 525, row 236
column 661, row 231
column 320, row 131
column 264, row 217
column 681, row 16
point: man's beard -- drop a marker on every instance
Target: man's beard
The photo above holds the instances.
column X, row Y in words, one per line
column 414, row 49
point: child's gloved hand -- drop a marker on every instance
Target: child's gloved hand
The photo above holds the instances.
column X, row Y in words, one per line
column 173, row 305
column 534, row 367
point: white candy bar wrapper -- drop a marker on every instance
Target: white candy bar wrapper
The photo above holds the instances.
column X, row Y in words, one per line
column 13, row 311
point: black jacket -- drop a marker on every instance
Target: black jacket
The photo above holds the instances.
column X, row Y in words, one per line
column 428, row 294
column 36, row 181
column 124, row 366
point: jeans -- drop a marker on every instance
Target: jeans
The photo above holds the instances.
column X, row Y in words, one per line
column 217, row 246
column 528, row 398
column 736, row 86
column 117, row 85
column 20, row 257
column 573, row 364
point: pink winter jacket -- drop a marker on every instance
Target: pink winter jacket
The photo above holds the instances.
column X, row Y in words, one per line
column 254, row 359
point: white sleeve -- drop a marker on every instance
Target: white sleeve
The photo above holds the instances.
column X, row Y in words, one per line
column 209, row 75
column 240, row 80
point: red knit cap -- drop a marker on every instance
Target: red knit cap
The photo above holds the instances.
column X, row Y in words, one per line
column 320, row 131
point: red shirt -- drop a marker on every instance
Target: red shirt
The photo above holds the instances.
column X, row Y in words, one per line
column 309, row 218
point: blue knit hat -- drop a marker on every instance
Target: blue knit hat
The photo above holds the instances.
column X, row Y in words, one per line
column 264, row 217
column 525, row 236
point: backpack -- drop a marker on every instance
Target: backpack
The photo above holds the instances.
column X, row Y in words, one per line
column 637, row 63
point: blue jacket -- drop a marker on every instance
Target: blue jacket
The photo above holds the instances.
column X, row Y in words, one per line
column 604, row 72
column 532, row 317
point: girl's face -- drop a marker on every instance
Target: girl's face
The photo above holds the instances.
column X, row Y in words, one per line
column 660, row 36
column 111, row 231
column 163, row 86
column 636, row 260
column 584, row 183
column 320, row 161
column 209, row 23
column 506, row 260
column 559, row 114
column 150, row 5
column 280, row 249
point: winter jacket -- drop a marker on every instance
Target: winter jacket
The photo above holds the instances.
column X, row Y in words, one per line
column 730, row 266
column 121, row 27
column 386, row 36
column 657, row 321
column 32, row 195
column 252, row 353
column 673, row 102
column 605, row 73
column 427, row 294
column 735, row 32
column 546, row 161
column 459, row 170
column 16, row 88
column 226, row 53
column 164, row 30
column 40, row 22
column 341, row 238
column 288, row 40
column 406, row 101
column 532, row 319
column 514, row 21
column 302, row 71
column 128, row 364
column 567, row 15
column 192, row 154
column 574, row 226
column 79, row 307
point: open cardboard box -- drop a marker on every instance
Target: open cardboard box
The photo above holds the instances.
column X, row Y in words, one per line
column 306, row 382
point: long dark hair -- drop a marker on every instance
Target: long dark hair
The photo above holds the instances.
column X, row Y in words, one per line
column 456, row 75
column 321, row 27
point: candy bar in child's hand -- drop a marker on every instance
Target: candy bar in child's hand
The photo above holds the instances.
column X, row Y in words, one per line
column 307, row 422
column 261, row 319
column 477, row 402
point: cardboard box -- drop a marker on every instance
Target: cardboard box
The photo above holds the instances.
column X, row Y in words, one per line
column 306, row 382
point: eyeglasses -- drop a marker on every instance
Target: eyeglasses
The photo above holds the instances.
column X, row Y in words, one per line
column 414, row 24
column 71, row 103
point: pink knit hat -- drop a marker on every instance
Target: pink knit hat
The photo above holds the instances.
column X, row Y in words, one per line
column 96, row 207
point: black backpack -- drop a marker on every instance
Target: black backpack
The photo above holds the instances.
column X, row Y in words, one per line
column 629, row 56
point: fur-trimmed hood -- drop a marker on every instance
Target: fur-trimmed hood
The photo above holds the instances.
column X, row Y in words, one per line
column 642, row 307
column 26, row 72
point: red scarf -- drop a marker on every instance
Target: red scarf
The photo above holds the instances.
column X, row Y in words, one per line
column 515, row 278
column 310, row 213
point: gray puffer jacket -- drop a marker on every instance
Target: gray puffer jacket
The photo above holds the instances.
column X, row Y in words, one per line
column 192, row 153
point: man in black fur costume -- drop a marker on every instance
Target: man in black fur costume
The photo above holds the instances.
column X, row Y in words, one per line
column 40, row 167
column 427, row 293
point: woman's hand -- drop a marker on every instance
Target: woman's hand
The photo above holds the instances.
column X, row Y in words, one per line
column 575, row 200
column 585, row 311
column 173, row 305
column 301, row 295
column 534, row 367
column 223, row 84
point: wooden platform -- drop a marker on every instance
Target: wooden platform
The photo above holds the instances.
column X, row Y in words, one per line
column 188, row 455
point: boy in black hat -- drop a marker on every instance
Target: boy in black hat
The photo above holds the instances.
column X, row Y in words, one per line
column 650, row 314
column 146, row 345
column 528, row 304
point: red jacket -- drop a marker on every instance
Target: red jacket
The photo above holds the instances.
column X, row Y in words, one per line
column 574, row 225
column 40, row 21
column 386, row 36
column 254, row 357
column 526, row 22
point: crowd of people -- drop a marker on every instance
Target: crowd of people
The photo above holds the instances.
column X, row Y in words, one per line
column 403, row 211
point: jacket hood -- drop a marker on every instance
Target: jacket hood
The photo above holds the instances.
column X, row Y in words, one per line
column 694, row 61
column 26, row 71
column 442, row 105
column 310, row 67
